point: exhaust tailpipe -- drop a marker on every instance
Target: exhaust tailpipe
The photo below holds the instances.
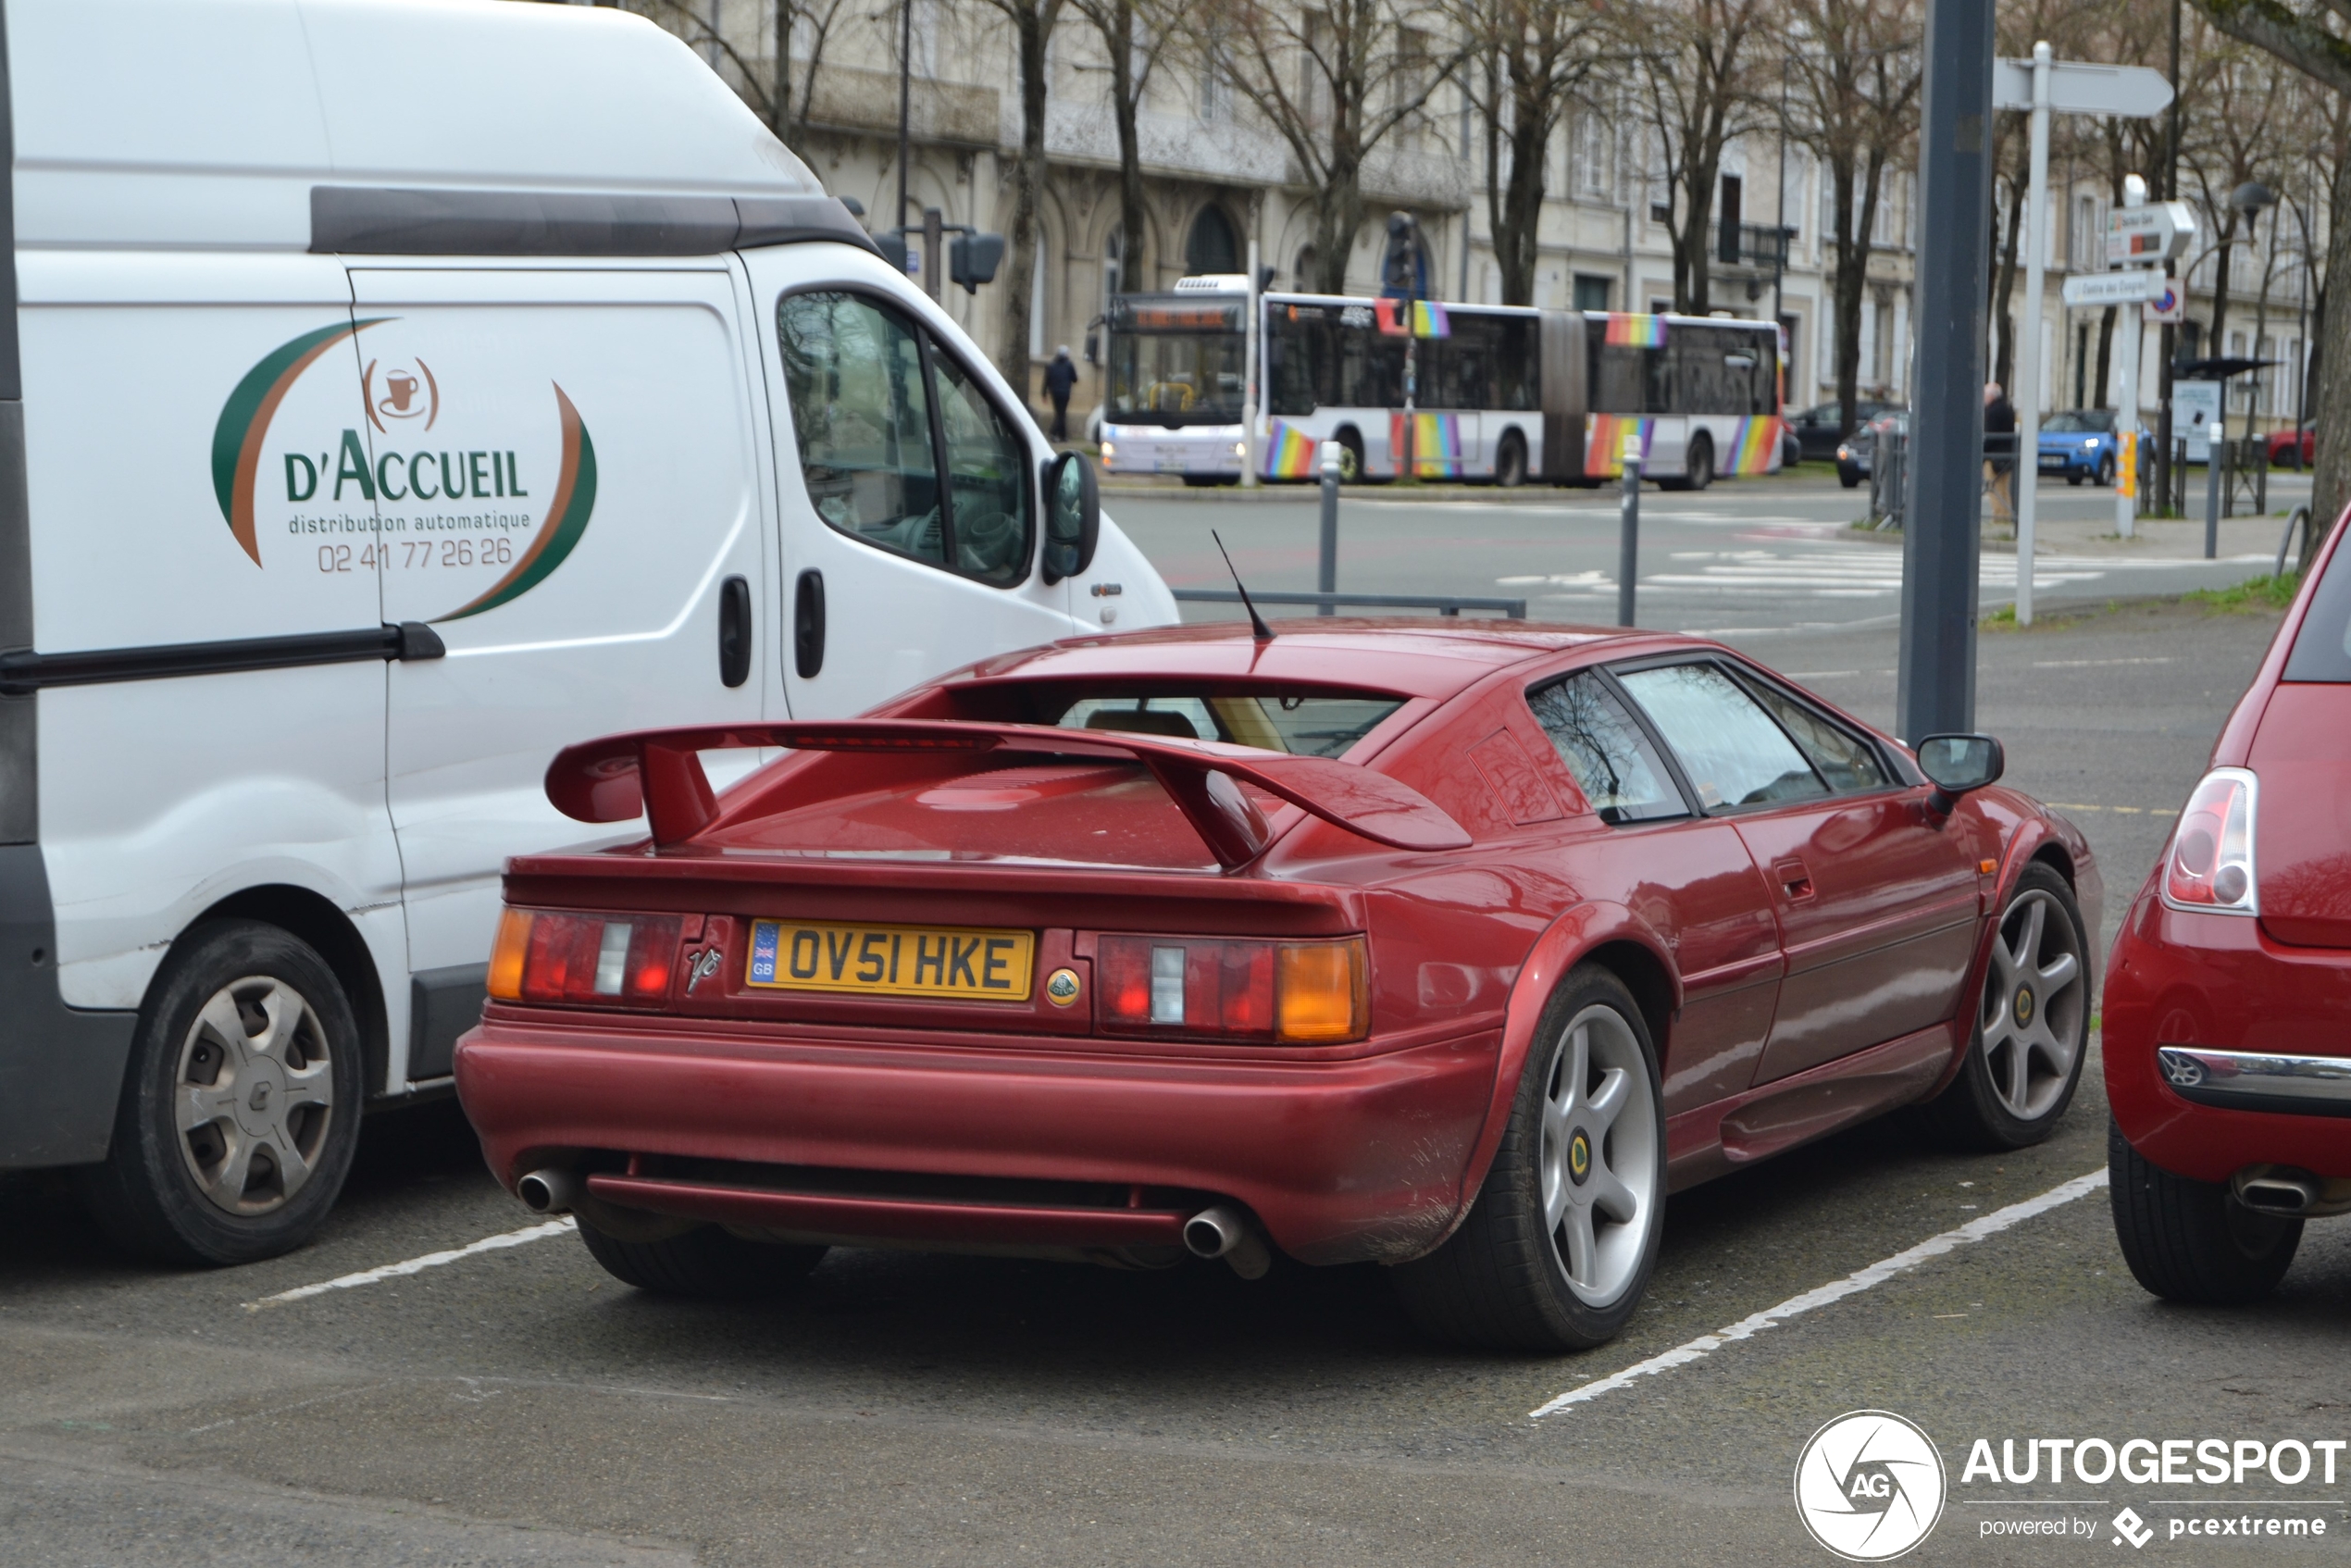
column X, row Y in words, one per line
column 2287, row 1196
column 551, row 1191
column 1226, row 1231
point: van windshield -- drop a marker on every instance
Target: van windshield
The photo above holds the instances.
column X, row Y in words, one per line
column 2322, row 648
column 1306, row 724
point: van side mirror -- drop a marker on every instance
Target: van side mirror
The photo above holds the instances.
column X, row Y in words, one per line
column 972, row 260
column 1073, row 516
column 1956, row 764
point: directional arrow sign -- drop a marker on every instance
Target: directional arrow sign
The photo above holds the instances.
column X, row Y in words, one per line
column 2076, row 88
column 2158, row 231
column 2113, row 288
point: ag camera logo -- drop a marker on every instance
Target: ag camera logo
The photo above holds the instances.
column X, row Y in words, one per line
column 1869, row 1485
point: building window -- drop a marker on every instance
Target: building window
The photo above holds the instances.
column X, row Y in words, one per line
column 1592, row 290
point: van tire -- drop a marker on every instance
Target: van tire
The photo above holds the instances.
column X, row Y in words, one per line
column 705, row 1261
column 2191, row 1241
column 152, row 1195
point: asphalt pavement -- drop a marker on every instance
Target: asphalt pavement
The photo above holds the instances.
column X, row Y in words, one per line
column 515, row 1405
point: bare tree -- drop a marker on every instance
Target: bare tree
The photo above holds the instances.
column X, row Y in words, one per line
column 1532, row 61
column 1855, row 65
column 1695, row 58
column 1032, row 23
column 2233, row 141
column 774, row 94
column 1135, row 35
column 1334, row 84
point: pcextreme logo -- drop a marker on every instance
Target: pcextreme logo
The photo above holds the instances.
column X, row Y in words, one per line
column 1869, row 1485
column 396, row 490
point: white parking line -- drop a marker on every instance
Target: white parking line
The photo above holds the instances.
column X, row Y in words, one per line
column 1852, row 1283
column 417, row 1266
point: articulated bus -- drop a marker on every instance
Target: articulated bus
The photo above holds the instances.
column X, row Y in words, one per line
column 1501, row 393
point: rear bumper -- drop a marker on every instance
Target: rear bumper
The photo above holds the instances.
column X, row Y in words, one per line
column 2224, row 1048
column 1341, row 1160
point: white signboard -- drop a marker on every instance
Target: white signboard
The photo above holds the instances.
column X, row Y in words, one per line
column 2113, row 288
column 2158, row 231
column 2077, row 88
column 2195, row 409
column 2168, row 305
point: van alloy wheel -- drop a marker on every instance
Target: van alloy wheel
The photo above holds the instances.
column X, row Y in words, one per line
column 2033, row 997
column 256, row 1095
column 1601, row 1130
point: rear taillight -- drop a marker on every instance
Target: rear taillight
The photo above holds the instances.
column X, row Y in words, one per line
column 2210, row 866
column 595, row 960
column 1296, row 993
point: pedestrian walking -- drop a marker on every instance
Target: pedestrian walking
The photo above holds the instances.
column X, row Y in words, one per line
column 1061, row 376
column 1999, row 452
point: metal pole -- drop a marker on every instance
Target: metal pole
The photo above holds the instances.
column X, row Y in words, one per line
column 905, row 75
column 1252, row 361
column 2027, row 472
column 2216, row 463
column 2126, row 418
column 1628, row 546
column 1327, row 574
column 1935, row 688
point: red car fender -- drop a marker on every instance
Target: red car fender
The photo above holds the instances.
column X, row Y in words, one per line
column 1557, row 950
column 2017, row 854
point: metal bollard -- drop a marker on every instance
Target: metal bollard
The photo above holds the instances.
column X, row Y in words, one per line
column 1326, row 576
column 2216, row 463
column 1628, row 549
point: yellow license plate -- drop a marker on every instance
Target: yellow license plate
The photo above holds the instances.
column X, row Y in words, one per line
column 956, row 961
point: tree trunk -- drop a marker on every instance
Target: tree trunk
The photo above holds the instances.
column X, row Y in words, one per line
column 1338, row 218
column 2330, row 484
column 1032, row 25
column 1516, row 235
column 2004, row 359
column 1124, row 98
column 1693, row 254
column 2221, row 257
column 1850, row 282
column 2106, row 353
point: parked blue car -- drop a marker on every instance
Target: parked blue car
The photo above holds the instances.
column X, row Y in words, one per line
column 2080, row 443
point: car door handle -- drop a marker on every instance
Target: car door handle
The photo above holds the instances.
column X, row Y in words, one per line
column 1793, row 878
column 734, row 631
column 808, row 625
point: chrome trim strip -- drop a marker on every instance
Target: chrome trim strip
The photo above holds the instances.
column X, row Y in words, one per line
column 2258, row 1081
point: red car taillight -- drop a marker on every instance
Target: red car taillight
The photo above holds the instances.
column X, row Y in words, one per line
column 551, row 955
column 1296, row 993
column 2210, row 866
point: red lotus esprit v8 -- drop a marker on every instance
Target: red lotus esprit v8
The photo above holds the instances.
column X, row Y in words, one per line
column 1450, row 947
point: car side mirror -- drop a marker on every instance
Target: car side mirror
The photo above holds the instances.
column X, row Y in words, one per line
column 1073, row 516
column 1956, row 763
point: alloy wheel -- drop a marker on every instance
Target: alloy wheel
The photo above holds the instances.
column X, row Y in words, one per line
column 2035, row 1002
column 1599, row 1165
column 255, row 1091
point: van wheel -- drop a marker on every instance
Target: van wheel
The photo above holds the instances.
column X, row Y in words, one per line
column 1509, row 463
column 240, row 1110
column 2032, row 1026
column 705, row 1261
column 1557, row 1251
column 2191, row 1241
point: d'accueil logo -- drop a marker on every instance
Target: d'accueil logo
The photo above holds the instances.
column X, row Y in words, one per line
column 1869, row 1485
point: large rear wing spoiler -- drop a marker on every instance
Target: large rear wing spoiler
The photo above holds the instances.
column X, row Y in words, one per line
column 659, row 772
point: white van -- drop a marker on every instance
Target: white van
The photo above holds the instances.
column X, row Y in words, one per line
column 407, row 389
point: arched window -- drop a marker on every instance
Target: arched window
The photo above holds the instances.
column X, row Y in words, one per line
column 1212, row 246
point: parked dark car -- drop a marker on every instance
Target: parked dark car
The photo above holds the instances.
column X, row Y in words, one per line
column 1853, row 456
column 1819, row 429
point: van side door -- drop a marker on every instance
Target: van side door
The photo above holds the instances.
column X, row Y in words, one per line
column 907, row 485
column 564, row 464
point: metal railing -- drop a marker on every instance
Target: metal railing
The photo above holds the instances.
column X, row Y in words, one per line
column 1443, row 604
column 1753, row 245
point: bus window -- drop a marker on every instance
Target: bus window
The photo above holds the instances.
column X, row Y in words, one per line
column 1458, row 372
column 1175, row 362
column 1518, row 372
column 1369, row 365
column 1297, row 355
column 1724, row 369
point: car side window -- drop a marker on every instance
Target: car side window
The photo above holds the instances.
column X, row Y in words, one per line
column 861, row 412
column 865, row 384
column 1846, row 762
column 1611, row 757
column 1730, row 750
column 987, row 481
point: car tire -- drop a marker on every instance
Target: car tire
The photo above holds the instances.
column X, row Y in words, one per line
column 240, row 1108
column 705, row 1261
column 1509, row 463
column 2106, row 470
column 1849, row 478
column 2032, row 1024
column 2191, row 1241
column 2073, row 479
column 1500, row 1281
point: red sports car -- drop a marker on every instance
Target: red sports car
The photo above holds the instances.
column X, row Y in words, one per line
column 1453, row 948
column 2226, row 1058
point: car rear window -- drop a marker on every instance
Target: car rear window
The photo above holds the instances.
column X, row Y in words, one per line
column 1307, row 724
column 2322, row 648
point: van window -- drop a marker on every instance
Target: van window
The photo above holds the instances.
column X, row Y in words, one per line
column 859, row 377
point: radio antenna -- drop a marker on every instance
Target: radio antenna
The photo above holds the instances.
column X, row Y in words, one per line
column 1258, row 628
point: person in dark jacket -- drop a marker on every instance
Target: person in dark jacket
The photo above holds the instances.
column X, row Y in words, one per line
column 1061, row 376
column 2000, row 452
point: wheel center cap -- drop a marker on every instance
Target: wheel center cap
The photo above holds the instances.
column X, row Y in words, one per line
column 260, row 1098
column 1579, row 1158
column 2024, row 1005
